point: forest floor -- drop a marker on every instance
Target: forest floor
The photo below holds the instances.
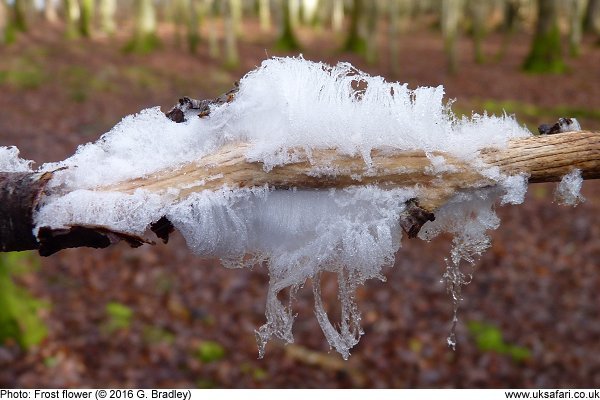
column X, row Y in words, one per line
column 161, row 317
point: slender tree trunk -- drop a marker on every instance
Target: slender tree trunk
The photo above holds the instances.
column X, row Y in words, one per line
column 72, row 14
column 355, row 42
column 371, row 31
column 178, row 15
column 50, row 14
column 3, row 22
column 399, row 11
column 577, row 10
column 20, row 15
column 294, row 11
column 451, row 12
column 232, row 58
column 545, row 55
column 87, row 15
column 108, row 9
column 511, row 11
column 264, row 13
column 237, row 14
column 592, row 17
column 320, row 17
column 479, row 11
column 337, row 15
column 425, row 6
column 144, row 38
column 287, row 39
column 211, row 26
column 193, row 25
column 309, row 11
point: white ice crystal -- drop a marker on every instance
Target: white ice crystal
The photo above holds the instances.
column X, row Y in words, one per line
column 293, row 103
column 10, row 161
column 568, row 190
column 571, row 125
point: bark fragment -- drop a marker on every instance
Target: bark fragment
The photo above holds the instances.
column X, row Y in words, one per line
column 162, row 228
column 413, row 218
column 20, row 193
column 54, row 240
column 177, row 113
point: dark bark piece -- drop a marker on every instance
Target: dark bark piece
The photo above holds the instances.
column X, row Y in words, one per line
column 20, row 193
column 177, row 113
column 413, row 218
column 563, row 125
column 19, row 196
column 54, row 240
column 162, row 228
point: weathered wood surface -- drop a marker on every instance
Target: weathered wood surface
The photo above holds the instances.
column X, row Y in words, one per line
column 543, row 158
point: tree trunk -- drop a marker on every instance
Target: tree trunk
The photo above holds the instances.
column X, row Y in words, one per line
column 232, row 58
column 511, row 20
column 19, row 15
column 178, row 13
column 309, row 11
column 399, row 13
column 144, row 39
column 211, row 26
column 355, row 41
column 287, row 39
column 451, row 12
column 72, row 14
column 545, row 55
column 479, row 11
column 337, row 15
column 3, row 22
column 294, row 11
column 193, row 25
column 108, row 9
column 87, row 15
column 50, row 14
column 371, row 32
column 592, row 17
column 264, row 13
column 236, row 11
column 576, row 13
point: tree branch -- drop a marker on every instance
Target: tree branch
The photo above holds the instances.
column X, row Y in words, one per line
column 543, row 158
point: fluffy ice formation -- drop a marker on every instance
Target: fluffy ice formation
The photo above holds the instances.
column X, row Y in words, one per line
column 568, row 190
column 11, row 162
column 292, row 103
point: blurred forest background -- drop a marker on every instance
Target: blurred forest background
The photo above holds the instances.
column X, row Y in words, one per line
column 160, row 317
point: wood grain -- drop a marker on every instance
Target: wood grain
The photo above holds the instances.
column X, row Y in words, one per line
column 543, row 158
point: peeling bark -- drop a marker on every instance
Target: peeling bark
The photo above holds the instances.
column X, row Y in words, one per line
column 97, row 237
column 413, row 219
column 20, row 193
column 163, row 228
column 177, row 113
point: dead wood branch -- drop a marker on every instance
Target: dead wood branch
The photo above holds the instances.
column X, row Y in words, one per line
column 542, row 158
